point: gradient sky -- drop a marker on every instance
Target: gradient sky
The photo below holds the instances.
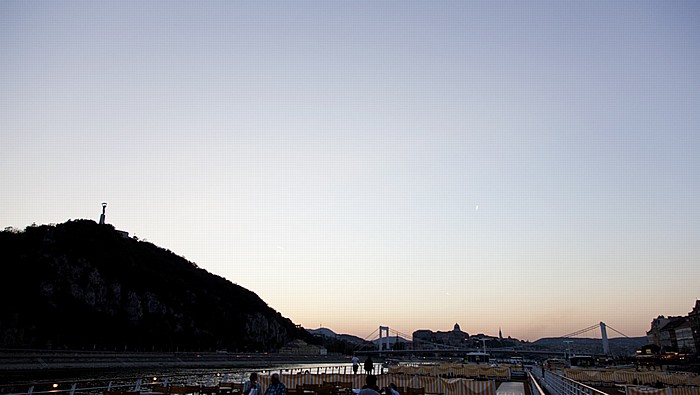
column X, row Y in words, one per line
column 533, row 166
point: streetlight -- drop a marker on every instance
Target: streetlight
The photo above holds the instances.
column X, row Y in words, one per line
column 485, row 354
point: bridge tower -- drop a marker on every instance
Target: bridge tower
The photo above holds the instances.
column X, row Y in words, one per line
column 604, row 335
column 382, row 330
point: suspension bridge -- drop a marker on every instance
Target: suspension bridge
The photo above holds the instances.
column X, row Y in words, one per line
column 387, row 342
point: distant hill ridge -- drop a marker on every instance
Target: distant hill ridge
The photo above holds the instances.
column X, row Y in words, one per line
column 325, row 332
column 81, row 285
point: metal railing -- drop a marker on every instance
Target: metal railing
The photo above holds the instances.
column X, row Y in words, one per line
column 556, row 384
column 535, row 388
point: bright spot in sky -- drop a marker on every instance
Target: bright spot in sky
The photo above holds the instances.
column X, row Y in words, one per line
column 476, row 208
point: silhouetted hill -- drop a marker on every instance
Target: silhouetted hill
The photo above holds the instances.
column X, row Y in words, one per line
column 336, row 343
column 80, row 285
column 322, row 332
column 325, row 332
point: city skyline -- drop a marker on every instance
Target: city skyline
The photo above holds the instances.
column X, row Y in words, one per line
column 531, row 166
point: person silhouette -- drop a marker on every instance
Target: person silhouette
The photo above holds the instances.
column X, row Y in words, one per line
column 276, row 387
column 252, row 387
column 370, row 387
column 369, row 365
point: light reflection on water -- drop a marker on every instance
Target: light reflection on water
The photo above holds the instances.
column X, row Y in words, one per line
column 128, row 377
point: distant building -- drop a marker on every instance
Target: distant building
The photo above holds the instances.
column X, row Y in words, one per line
column 654, row 334
column 694, row 319
column 684, row 337
column 672, row 334
column 427, row 339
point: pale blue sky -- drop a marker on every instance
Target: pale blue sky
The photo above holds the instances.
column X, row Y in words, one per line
column 330, row 155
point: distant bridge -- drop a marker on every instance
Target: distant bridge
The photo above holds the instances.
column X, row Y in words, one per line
column 382, row 341
column 501, row 351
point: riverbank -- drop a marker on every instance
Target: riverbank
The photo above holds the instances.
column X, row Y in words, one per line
column 41, row 360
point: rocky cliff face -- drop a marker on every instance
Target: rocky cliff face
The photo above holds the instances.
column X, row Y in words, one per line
column 80, row 285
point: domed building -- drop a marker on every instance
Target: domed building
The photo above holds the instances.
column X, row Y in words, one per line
column 425, row 338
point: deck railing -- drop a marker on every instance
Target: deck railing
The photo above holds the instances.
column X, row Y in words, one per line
column 535, row 388
column 557, row 384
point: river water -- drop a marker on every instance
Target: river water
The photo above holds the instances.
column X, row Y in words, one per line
column 43, row 380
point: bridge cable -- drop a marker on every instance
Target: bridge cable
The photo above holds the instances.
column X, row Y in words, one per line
column 608, row 326
column 581, row 331
column 365, row 340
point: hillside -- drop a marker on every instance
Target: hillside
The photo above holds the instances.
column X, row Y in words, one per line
column 325, row 332
column 336, row 343
column 80, row 285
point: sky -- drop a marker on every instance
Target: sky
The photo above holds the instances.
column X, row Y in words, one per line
column 532, row 166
